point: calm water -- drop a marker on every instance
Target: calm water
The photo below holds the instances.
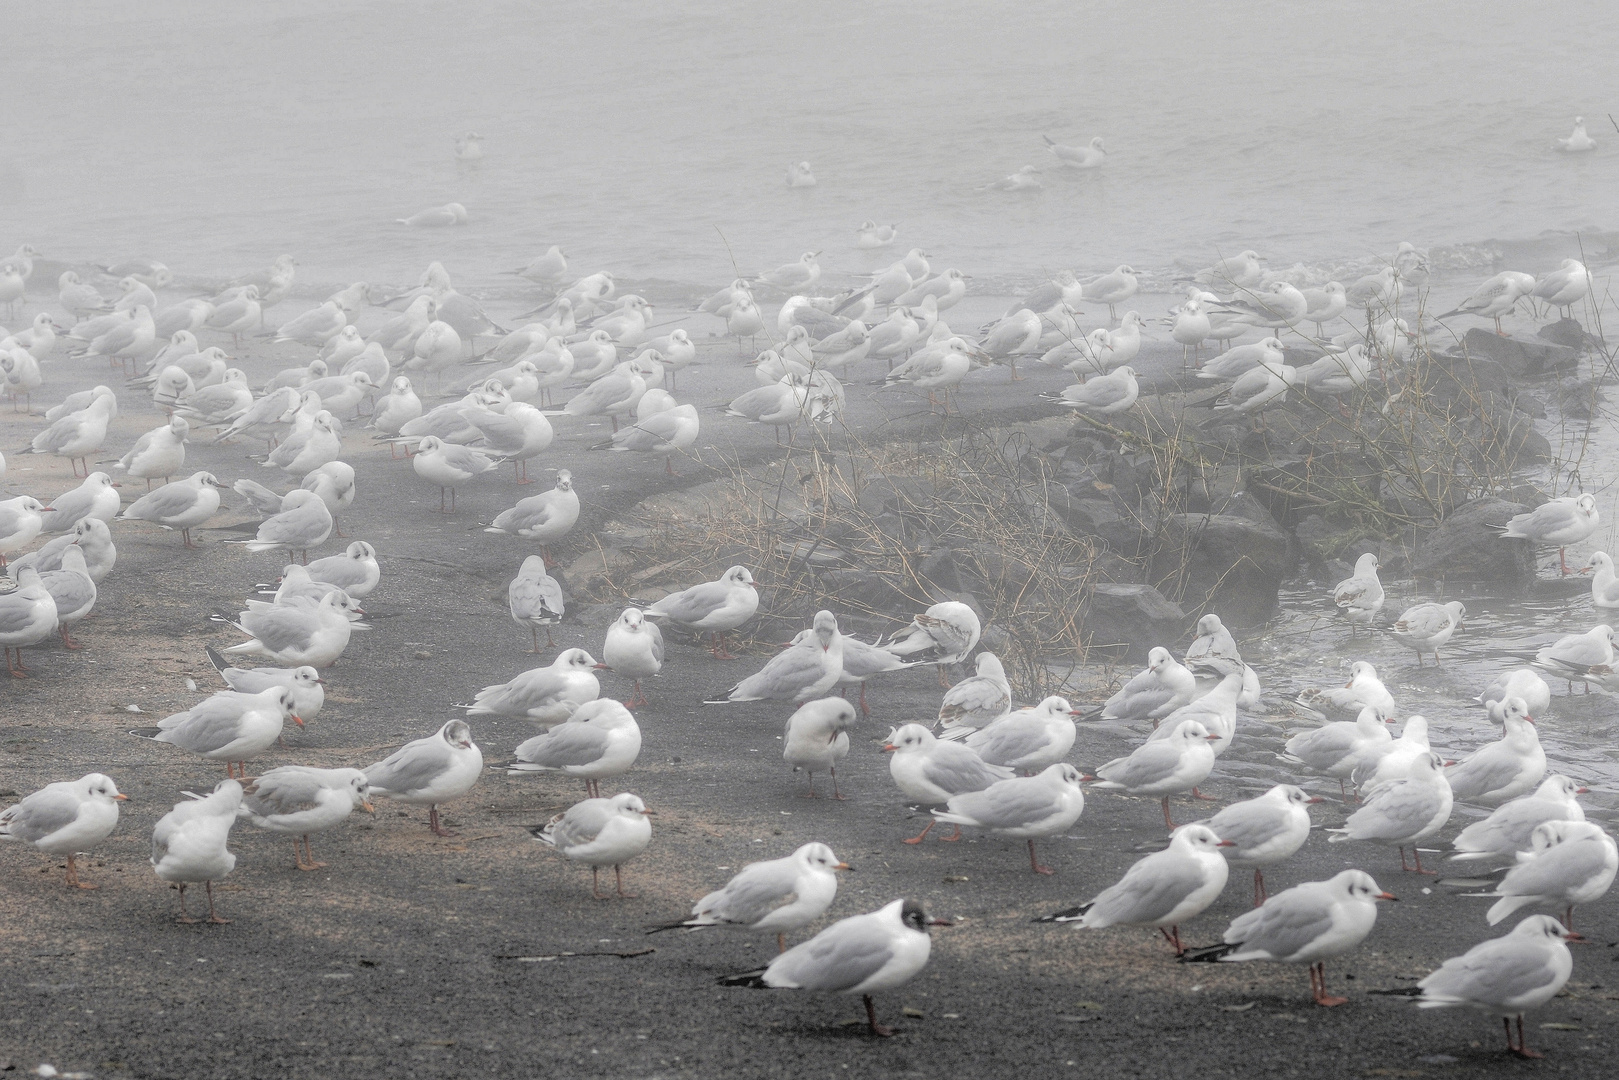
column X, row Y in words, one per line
column 647, row 138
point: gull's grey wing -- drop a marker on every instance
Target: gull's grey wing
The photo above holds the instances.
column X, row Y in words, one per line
column 1008, row 739
column 693, row 604
column 41, row 814
column 1149, row 890
column 582, row 823
column 529, row 599
column 297, row 527
column 957, row 769
column 412, row 767
column 1553, row 870
column 1248, row 824
column 974, row 695
column 70, row 590
column 1392, row 812
column 564, row 745
column 280, row 626
column 1007, row 805
column 842, row 956
column 1499, row 970
column 14, row 617
column 751, row 895
column 1151, row 762
column 287, row 790
column 203, row 732
column 1288, row 923
column 790, row 669
column 170, row 500
column 652, row 631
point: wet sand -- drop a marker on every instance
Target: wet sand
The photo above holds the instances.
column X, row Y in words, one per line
column 414, row 956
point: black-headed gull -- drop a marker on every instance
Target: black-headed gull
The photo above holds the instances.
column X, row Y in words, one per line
column 308, row 688
column 1162, row 890
column 817, row 738
column 1363, row 689
column 1022, row 807
column 189, row 843
column 601, row 739
column 1360, row 595
column 1510, row 828
column 546, row 517
column 1335, row 749
column 1215, row 710
column 1385, row 763
column 1307, row 924
column 546, row 695
column 1564, row 287
column 863, row 954
column 535, row 599
column 91, row 536
column 1173, row 765
column 298, row 800
column 1403, row 812
column 355, row 571
column 27, row 617
column 159, row 452
column 183, row 504
column 772, row 897
column 1029, row 739
column 1425, row 627
column 808, row 669
column 944, row 634
column 78, row 434
column 448, row 464
column 932, row 771
column 1575, row 655
column 20, row 522
column 428, row 771
column 1562, row 521
column 1265, row 830
column 228, row 726
column 66, row 817
column 1500, row 771
column 72, row 590
column 1495, row 297
column 634, row 649
column 977, row 701
column 713, row 606
column 295, row 634
column 1568, row 863
column 598, row 833
column 97, row 497
column 1506, row 976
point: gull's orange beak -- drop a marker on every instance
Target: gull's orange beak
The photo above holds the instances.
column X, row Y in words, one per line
column 1385, row 896
column 368, row 807
column 1226, row 843
column 121, row 798
column 843, row 866
column 296, row 719
column 1315, row 799
column 889, row 748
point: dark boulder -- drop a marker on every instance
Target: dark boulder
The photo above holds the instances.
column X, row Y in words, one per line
column 1463, row 548
column 1225, row 563
column 1568, row 333
column 1129, row 619
column 1522, row 358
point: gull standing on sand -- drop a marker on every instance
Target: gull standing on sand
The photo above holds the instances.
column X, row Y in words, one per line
column 304, row 683
column 297, row 634
column 944, row 634
column 1278, row 306
column 1563, row 521
column 1403, row 812
column 1307, row 924
column 1173, row 765
column 817, row 738
column 1112, row 289
column 535, row 599
column 1162, row 890
column 188, row 844
column 1265, row 830
column 1501, row 771
column 634, row 648
column 97, row 497
column 775, row 896
column 1165, row 686
column 1425, row 627
column 598, row 833
column 430, row 771
column 601, row 739
column 1506, row 976
column 448, row 464
column 78, row 434
column 932, row 770
column 546, row 695
column 1030, row 739
column 298, row 800
column 73, row 592
column 27, row 617
column 1336, row 749
column 713, row 606
column 662, row 434
column 65, row 818
column 1568, row 863
column 546, row 517
column 20, row 522
column 1022, row 807
column 1510, row 828
column 228, row 726
column 809, row 669
column 863, row 954
column 977, row 701
column 303, row 523
column 159, row 452
column 93, row 539
column 1216, row 710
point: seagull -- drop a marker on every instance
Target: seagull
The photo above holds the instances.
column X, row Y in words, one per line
column 1425, row 627
column 299, row 800
column 1264, row 830
column 975, row 702
column 312, row 633
column 1604, row 581
column 817, row 737
column 601, row 739
column 65, row 818
column 1578, row 141
column 355, row 571
column 1360, row 596
column 1404, row 811
column 944, row 634
column 1566, row 286
column 872, row 235
column 535, row 599
column 1506, row 976
column 78, row 434
column 188, row 844
column 1336, row 749
column 600, row 832
column 1243, row 270
column 773, row 896
column 305, row 683
column 228, row 726
column 1394, row 760
column 714, row 606
column 449, row 464
column 1279, row 306
column 437, row 217
column 1162, row 890
column 91, row 536
column 303, row 523
column 863, row 954
column 1568, row 862
column 1022, row 180
column 1022, row 807
column 1307, row 924
column 1576, row 655
column 1164, row 767
column 73, row 592
column 21, row 520
column 932, row 771
column 1495, row 297
column 1077, row 157
column 1510, row 827
column 1029, row 739
column 1363, row 689
column 807, row 670
column 663, row 433
column 1501, row 771
column 799, row 174
column 1165, row 686
column 443, row 766
column 795, row 277
column 1564, row 521
column 546, row 695
column 546, row 517
column 159, row 452
column 27, row 617
column 1112, row 289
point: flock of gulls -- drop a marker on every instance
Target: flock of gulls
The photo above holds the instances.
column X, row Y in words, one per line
column 984, row 763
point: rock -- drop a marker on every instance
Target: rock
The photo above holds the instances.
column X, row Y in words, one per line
column 594, row 567
column 1225, row 563
column 1522, row 358
column 1462, row 548
column 1131, row 618
column 1578, row 398
column 1568, row 333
